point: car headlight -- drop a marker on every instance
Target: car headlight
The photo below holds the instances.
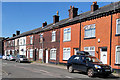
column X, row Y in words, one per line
column 97, row 66
column 21, row 59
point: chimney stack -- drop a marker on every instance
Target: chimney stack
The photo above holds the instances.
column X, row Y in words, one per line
column 44, row 24
column 14, row 35
column 94, row 6
column 73, row 12
column 56, row 18
column 17, row 33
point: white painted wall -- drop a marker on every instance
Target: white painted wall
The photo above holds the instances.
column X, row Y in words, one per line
column 22, row 45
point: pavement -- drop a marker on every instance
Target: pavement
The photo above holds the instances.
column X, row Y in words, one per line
column 62, row 66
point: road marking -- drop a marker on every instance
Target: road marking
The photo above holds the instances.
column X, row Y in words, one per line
column 5, row 72
column 68, row 77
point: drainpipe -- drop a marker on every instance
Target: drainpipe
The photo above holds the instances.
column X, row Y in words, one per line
column 110, row 39
column 80, row 38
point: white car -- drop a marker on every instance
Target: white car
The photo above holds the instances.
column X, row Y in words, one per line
column 4, row 57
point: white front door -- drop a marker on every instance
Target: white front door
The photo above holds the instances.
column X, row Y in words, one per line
column 103, row 57
column 41, row 54
column 46, row 56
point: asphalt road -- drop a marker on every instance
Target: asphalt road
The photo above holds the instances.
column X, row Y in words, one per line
column 13, row 70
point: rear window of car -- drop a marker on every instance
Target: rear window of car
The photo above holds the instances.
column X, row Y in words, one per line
column 22, row 56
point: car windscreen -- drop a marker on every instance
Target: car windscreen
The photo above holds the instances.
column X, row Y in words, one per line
column 22, row 56
column 93, row 59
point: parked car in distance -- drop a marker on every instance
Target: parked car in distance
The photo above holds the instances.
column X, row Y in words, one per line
column 4, row 57
column 21, row 58
column 11, row 57
column 89, row 64
column 7, row 57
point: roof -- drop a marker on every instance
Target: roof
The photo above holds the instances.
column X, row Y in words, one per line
column 104, row 9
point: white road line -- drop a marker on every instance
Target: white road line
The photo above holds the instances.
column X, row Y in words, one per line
column 68, row 77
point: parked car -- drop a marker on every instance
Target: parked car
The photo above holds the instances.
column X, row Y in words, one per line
column 11, row 57
column 21, row 58
column 89, row 64
column 7, row 57
column 4, row 57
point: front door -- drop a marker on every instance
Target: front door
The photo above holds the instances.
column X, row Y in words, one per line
column 103, row 55
column 35, row 56
column 46, row 56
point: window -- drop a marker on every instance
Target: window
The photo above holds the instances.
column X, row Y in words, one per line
column 53, row 54
column 118, row 26
column 5, row 43
column 67, row 34
column 18, row 42
column 89, row 31
column 53, row 36
column 117, row 59
column 91, row 50
column 23, row 41
column 31, row 40
column 31, row 53
column 13, row 42
column 66, row 53
column 41, row 38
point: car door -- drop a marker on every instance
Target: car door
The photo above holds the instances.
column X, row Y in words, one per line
column 75, row 63
column 83, row 64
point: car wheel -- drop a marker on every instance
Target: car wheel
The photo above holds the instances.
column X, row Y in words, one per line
column 70, row 69
column 90, row 72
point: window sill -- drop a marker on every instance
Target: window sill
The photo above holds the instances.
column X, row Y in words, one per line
column 53, row 41
column 117, row 34
column 65, row 60
column 90, row 38
column 117, row 64
column 67, row 41
column 53, row 59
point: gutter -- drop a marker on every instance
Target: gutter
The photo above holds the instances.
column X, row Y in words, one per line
column 80, row 38
column 110, row 39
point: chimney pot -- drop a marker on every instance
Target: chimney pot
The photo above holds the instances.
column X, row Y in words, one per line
column 44, row 24
column 73, row 12
column 14, row 35
column 94, row 6
column 17, row 33
column 56, row 18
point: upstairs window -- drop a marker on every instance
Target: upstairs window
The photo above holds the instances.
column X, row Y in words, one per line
column 118, row 26
column 41, row 38
column 31, row 40
column 53, row 36
column 67, row 34
column 89, row 31
column 23, row 41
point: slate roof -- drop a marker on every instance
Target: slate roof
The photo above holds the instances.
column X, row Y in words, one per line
column 104, row 9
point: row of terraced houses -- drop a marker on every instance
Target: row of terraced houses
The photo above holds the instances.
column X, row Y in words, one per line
column 96, row 31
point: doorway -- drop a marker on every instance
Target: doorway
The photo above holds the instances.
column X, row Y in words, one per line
column 103, row 55
column 35, row 56
column 46, row 56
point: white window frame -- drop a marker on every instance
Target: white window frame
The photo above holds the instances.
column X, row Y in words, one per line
column 31, row 39
column 24, row 42
column 66, row 52
column 67, row 34
column 41, row 37
column 117, row 26
column 53, row 53
column 90, row 28
column 89, row 49
column 53, row 36
column 116, row 55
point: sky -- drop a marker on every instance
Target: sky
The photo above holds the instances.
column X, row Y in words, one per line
column 25, row 16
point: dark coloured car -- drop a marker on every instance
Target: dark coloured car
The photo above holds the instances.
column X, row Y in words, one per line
column 87, row 63
column 21, row 58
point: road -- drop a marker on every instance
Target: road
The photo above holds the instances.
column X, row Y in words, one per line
column 11, row 69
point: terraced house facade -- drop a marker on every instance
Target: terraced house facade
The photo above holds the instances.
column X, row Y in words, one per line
column 96, row 31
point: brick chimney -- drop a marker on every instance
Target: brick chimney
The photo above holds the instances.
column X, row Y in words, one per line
column 94, row 6
column 14, row 35
column 44, row 24
column 17, row 33
column 56, row 18
column 73, row 12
